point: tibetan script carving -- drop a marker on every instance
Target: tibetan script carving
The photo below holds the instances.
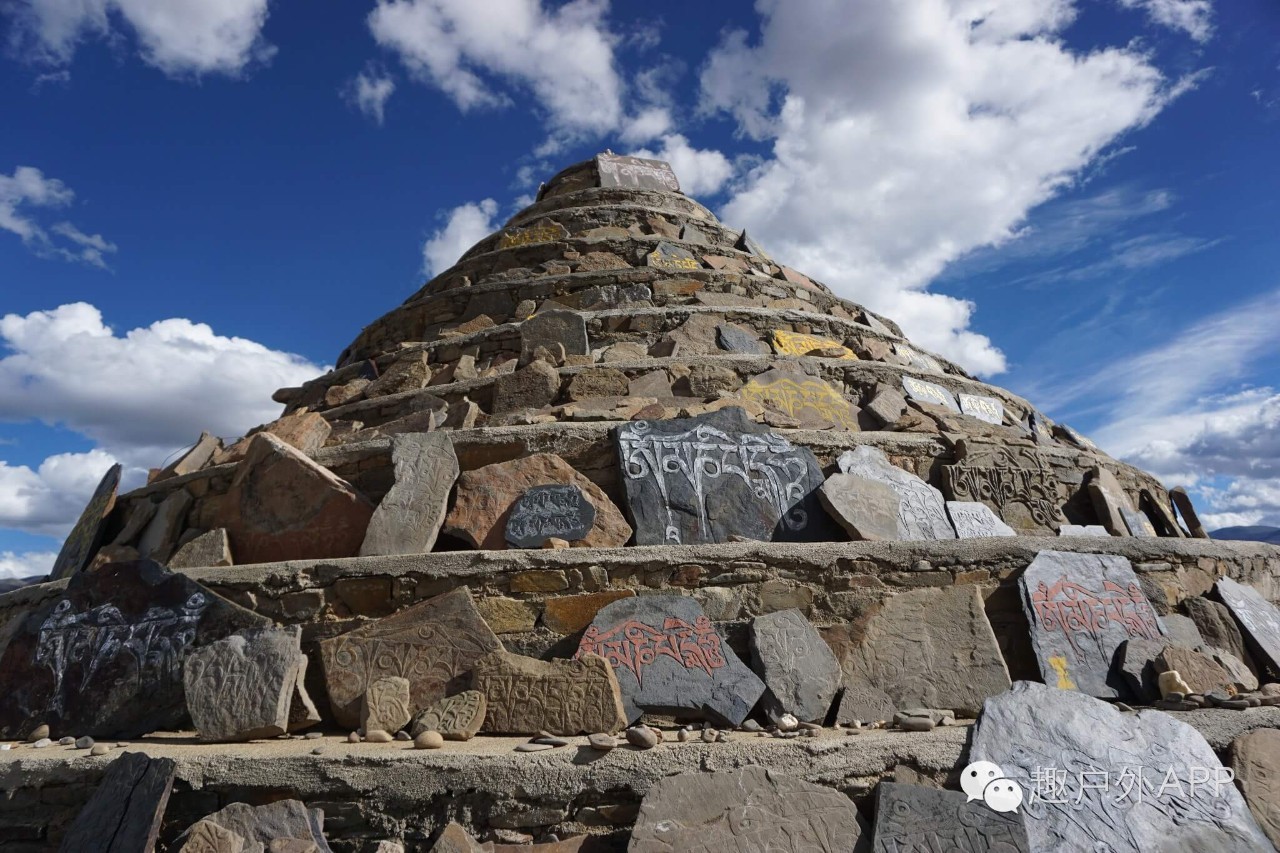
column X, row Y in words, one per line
column 795, row 343
column 456, row 717
column 565, row 697
column 917, row 359
column 542, row 232
column 922, row 513
column 1016, row 482
column 671, row 257
column 812, row 402
column 633, row 645
column 546, row 512
column 927, row 392
column 987, row 409
column 636, row 173
column 916, row 819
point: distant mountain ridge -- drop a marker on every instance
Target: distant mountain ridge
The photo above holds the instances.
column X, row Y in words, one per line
column 1252, row 533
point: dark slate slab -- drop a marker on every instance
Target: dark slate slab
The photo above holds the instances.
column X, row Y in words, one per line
column 1136, row 660
column 106, row 657
column 911, row 818
column 703, row 480
column 123, row 815
column 636, row 173
column 922, row 512
column 800, row 672
column 1081, row 607
column 1259, row 620
column 549, row 512
column 669, row 659
column 86, row 537
column 735, row 339
column 746, row 811
column 1033, row 732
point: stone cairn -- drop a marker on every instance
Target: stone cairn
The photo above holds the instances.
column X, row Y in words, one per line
column 614, row 536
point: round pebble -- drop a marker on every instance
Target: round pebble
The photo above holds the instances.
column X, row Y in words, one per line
column 403, row 735
column 708, row 735
column 917, row 724
column 750, row 726
column 788, row 723
column 100, row 749
column 319, row 750
column 354, row 737
column 551, row 740
column 683, row 735
column 642, row 737
column 85, row 742
column 66, row 741
column 533, row 747
column 811, row 726
column 1234, row 704
column 602, row 741
column 428, row 740
column 810, row 732
column 313, row 735
column 38, row 733
column 42, row 743
column 378, row 736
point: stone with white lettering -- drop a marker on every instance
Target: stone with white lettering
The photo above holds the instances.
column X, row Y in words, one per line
column 973, row 520
column 636, row 173
column 85, row 538
column 916, row 819
column 917, row 359
column 1082, row 530
column 241, row 687
column 1110, row 758
column 124, row 812
column 929, row 392
column 409, row 516
column 799, row 670
column 866, row 509
column 525, row 695
column 549, row 512
column 1259, row 619
column 987, row 409
column 1081, row 607
column 669, row 659
column 922, row 512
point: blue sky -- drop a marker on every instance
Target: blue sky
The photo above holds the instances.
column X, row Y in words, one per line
column 203, row 200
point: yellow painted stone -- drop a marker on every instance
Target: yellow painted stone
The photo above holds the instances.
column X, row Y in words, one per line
column 804, row 398
column 795, row 343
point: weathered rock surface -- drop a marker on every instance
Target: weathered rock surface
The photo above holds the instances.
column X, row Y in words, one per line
column 433, row 644
column 922, row 512
column 1217, row 627
column 457, row 717
column 746, row 811
column 800, row 672
column 866, row 509
column 1201, row 672
column 1136, row 659
column 973, row 520
column 212, row 548
column 549, row 328
column 1182, row 630
column 1109, row 500
column 161, row 536
column 124, row 813
column 86, row 536
column 105, row 658
column 205, row 836
column 1255, row 758
column 1182, row 501
column 1081, row 607
column 669, row 659
column 1033, row 727
column 487, row 496
column 1259, row 619
column 916, row 818
column 409, row 516
column 810, row 401
column 454, row 839
column 241, row 687
column 386, row 705
column 283, row 819
column 525, row 695
column 707, row 479
column 550, row 512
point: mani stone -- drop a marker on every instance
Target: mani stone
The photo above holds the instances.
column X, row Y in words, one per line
column 745, row 811
column 673, row 258
column 866, row 509
column 548, row 328
column 205, row 836
column 209, row 549
column 488, row 496
column 1033, row 728
column 918, row 359
column 705, row 480
column 812, row 402
column 922, row 512
column 1080, row 608
column 1137, row 523
column 931, row 648
column 241, row 687
column 1182, row 502
column 1108, row 500
column 1198, row 670
column 799, row 670
column 1082, row 530
column 549, row 512
column 1216, row 625
column 457, row 717
column 1259, row 619
column 1255, row 758
column 385, row 706
column 974, row 520
column 928, row 392
column 915, row 818
column 736, row 339
column 124, row 812
column 85, row 538
column 283, row 819
column 525, row 695
column 283, row 506
column 409, row 516
column 105, row 658
column 433, row 644
column 987, row 409
column 669, row 659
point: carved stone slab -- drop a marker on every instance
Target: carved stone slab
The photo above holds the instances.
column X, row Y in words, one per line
column 1216, row 625
column 973, row 520
column 1137, row 523
column 105, row 658
column 1255, row 758
column 386, row 705
column 669, row 659
column 928, row 392
column 241, row 687
column 636, row 173
column 800, row 672
column 205, row 836
column 694, row 481
column 921, row 511
column 1259, row 620
column 549, row 512
column 917, row 359
column 1082, row 530
column 931, row 648
column 916, row 819
column 543, row 231
column 409, row 516
column 525, row 695
column 457, row 717
column 548, row 328
column 812, row 402
column 673, row 258
column 745, row 811
column 987, row 409
column 798, row 343
column 866, row 509
column 1081, row 607
column 1017, row 482
column 123, row 815
column 433, row 644
column 279, row 820
column 1109, row 758
column 85, row 538
column 1108, row 500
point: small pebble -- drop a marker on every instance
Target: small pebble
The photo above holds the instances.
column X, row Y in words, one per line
column 378, row 736
column 811, row 726
column 708, row 735
column 313, row 735
column 428, row 740
column 853, row 731
column 551, row 740
column 810, row 732
column 642, row 737
column 916, row 724
column 1234, row 704
column 100, row 749
column 403, row 735
column 38, row 733
column 750, row 726
column 602, row 741
column 788, row 723
column 85, row 742
column 66, row 741
column 683, row 735
column 354, row 737
column 294, row 737
column 319, row 750
column 1255, row 701
column 42, row 743
column 1121, row 706
column 533, row 747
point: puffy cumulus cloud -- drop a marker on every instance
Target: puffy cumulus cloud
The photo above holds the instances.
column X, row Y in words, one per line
column 368, row 92
column 1193, row 17
column 28, row 188
column 701, row 171
column 142, row 394
column 47, row 500
column 464, row 226
column 481, row 54
column 912, row 133
column 649, row 123
column 177, row 36
column 27, row 564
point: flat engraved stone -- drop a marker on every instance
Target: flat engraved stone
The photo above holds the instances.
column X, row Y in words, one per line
column 409, row 516
column 549, row 512
column 928, row 392
column 987, row 409
column 799, row 669
column 922, row 513
column 1081, row 607
column 912, row 818
column 525, row 695
column 973, row 520
column 241, row 687
column 636, row 173
column 457, row 717
column 1259, row 619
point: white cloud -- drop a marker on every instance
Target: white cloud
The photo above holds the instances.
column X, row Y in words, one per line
column 700, row 171
column 177, row 36
column 910, row 133
column 465, row 226
column 1190, row 16
column 649, row 123
column 48, row 500
column 368, row 92
column 27, row 564
column 489, row 54
column 28, row 188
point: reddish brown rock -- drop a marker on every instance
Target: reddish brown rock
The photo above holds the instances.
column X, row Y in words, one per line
column 306, row 432
column 283, row 506
column 487, row 495
column 1200, row 671
column 570, row 613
